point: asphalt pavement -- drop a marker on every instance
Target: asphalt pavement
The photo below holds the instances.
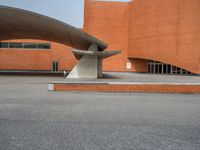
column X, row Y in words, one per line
column 32, row 118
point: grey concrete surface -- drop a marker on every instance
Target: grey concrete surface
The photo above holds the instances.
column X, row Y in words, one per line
column 133, row 78
column 31, row 118
column 90, row 63
column 87, row 67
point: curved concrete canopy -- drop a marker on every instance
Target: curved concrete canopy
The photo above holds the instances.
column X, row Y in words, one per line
column 18, row 24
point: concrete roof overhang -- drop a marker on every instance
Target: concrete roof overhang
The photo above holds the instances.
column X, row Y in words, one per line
column 19, row 24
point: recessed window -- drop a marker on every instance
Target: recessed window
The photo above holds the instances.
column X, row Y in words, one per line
column 30, row 45
column 54, row 66
column 15, row 45
column 3, row 44
column 44, row 46
column 36, row 46
column 155, row 67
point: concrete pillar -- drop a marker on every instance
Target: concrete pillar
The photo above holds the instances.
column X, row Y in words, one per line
column 100, row 60
column 87, row 67
column 90, row 63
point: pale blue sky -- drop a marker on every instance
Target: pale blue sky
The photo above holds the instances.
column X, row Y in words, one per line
column 69, row 11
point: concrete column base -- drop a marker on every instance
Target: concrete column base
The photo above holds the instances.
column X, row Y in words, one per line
column 90, row 64
column 87, row 67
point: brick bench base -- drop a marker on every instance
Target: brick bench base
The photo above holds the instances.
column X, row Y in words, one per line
column 106, row 87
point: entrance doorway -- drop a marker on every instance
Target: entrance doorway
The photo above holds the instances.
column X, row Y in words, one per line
column 155, row 67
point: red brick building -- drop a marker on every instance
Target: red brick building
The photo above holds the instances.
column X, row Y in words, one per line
column 154, row 36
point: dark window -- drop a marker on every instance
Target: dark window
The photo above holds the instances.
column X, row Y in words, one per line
column 184, row 71
column 174, row 70
column 15, row 45
column 44, row 46
column 3, row 44
column 30, row 45
column 54, row 66
column 153, row 68
column 161, row 68
column 157, row 68
column 178, row 71
column 164, row 68
column 25, row 45
column 149, row 69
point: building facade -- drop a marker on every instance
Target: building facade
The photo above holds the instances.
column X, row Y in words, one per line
column 25, row 55
column 155, row 36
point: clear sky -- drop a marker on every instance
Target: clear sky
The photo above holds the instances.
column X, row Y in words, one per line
column 69, row 11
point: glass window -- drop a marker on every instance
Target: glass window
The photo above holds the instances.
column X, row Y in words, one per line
column 174, row 70
column 152, row 68
column 157, row 68
column 3, row 44
column 184, row 71
column 164, row 68
column 169, row 69
column 25, row 45
column 30, row 45
column 160, row 69
column 44, row 46
column 178, row 70
column 54, row 66
column 15, row 45
column 149, row 68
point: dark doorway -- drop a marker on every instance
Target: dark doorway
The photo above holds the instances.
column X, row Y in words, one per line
column 54, row 66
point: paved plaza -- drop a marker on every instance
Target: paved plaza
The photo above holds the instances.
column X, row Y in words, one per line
column 33, row 118
column 113, row 77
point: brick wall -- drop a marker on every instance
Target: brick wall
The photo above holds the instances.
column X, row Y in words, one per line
column 161, row 30
column 108, row 21
column 166, row 31
column 27, row 59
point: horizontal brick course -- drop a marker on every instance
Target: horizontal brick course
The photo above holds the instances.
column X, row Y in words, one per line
column 151, row 88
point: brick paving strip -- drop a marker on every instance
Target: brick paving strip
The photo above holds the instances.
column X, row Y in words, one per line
column 189, row 88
